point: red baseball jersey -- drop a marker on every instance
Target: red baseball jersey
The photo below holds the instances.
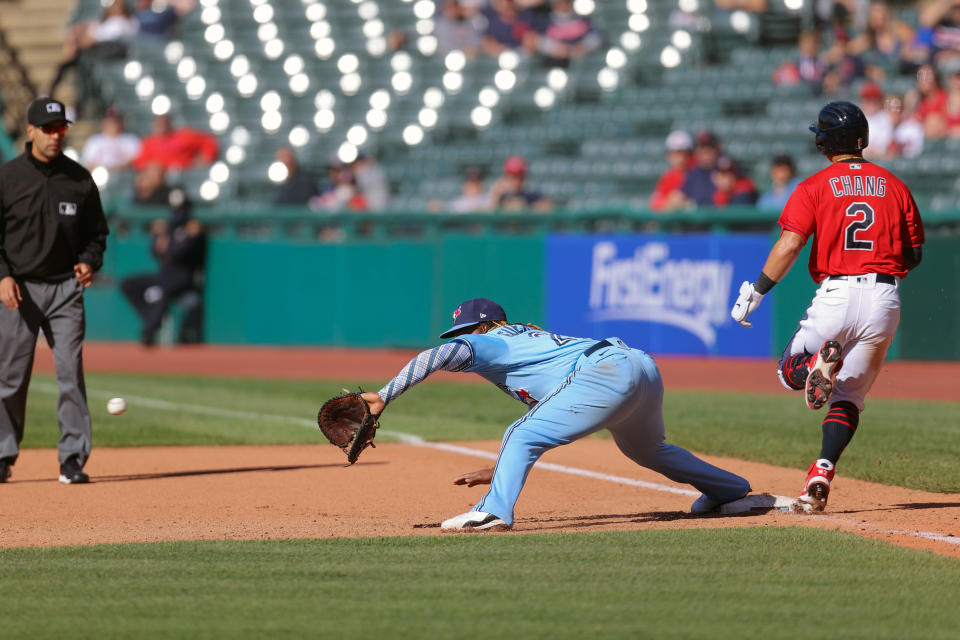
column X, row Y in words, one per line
column 861, row 217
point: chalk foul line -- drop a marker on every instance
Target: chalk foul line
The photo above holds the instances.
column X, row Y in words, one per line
column 417, row 441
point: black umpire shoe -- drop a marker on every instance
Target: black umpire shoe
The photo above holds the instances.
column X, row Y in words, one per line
column 4, row 469
column 72, row 473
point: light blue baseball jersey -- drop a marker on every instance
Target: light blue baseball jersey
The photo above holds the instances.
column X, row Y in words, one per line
column 572, row 395
column 526, row 363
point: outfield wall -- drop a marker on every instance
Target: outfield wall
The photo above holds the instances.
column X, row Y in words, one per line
column 674, row 290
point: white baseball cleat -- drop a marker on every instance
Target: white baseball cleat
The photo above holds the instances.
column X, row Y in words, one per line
column 474, row 521
column 824, row 368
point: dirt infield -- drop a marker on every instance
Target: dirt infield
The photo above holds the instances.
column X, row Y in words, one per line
column 179, row 493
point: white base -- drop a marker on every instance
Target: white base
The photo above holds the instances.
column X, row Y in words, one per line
column 759, row 501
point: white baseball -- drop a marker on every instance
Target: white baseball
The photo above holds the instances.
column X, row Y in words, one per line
column 117, row 406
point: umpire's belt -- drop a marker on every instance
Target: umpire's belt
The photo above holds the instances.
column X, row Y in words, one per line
column 882, row 278
column 596, row 347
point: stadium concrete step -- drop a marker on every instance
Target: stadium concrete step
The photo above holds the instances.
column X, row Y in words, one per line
column 40, row 56
column 34, row 36
column 35, row 28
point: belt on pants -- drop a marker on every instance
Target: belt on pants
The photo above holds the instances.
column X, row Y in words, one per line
column 882, row 278
column 596, row 347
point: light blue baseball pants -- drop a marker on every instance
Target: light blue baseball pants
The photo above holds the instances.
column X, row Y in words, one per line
column 616, row 388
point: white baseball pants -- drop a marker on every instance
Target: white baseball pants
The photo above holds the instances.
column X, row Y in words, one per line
column 862, row 315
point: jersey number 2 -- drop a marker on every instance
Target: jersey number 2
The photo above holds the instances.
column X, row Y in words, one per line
column 852, row 243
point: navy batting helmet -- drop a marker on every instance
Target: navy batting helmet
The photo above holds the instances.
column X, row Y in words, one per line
column 841, row 128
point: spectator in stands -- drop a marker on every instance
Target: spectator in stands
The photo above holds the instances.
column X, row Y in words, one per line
column 886, row 45
column 179, row 245
column 473, row 196
column 568, row 35
column 155, row 20
column 783, row 180
column 842, row 14
column 111, row 148
column 668, row 194
column 809, row 67
column 506, row 26
column 510, row 191
column 927, row 101
column 371, row 182
column 698, row 186
column 732, row 187
column 951, row 110
column 881, row 125
column 300, row 184
column 177, row 149
column 454, row 27
column 844, row 66
column 341, row 193
column 939, row 32
column 103, row 39
column 907, row 131
column 150, row 185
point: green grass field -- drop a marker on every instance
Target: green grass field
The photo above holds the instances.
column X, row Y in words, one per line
column 744, row 583
column 755, row 583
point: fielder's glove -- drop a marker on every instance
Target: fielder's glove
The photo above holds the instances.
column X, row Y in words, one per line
column 347, row 422
column 748, row 301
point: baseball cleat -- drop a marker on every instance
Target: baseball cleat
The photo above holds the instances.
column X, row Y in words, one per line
column 705, row 504
column 816, row 489
column 824, row 367
column 474, row 521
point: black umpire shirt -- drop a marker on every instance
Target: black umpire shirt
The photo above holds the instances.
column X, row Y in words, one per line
column 51, row 218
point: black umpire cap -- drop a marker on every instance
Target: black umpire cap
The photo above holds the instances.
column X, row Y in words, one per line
column 46, row 110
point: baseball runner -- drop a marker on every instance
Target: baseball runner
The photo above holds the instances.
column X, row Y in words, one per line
column 867, row 234
column 573, row 387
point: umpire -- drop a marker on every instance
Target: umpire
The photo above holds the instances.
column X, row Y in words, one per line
column 52, row 237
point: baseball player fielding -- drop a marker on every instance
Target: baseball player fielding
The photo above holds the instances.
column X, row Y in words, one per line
column 572, row 387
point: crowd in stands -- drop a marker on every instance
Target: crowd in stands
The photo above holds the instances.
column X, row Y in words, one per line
column 549, row 29
column 855, row 44
column 699, row 174
column 509, row 192
column 166, row 149
column 107, row 37
column 355, row 186
column 862, row 43
column 856, row 49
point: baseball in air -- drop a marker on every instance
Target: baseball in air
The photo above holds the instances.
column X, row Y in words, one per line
column 117, row 406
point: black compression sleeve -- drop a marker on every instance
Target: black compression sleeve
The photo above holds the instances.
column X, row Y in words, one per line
column 764, row 283
column 912, row 257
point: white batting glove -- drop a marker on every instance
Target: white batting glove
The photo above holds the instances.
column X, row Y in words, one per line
column 748, row 301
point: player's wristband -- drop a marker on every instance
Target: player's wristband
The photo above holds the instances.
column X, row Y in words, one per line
column 763, row 284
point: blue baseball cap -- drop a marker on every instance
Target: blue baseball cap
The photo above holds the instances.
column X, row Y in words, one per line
column 472, row 313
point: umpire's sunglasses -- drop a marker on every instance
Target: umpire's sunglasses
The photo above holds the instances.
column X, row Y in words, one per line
column 51, row 129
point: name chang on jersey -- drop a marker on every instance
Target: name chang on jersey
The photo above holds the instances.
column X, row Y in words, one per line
column 844, row 186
